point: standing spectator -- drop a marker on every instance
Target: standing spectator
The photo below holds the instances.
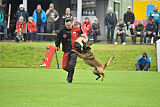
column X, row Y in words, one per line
column 121, row 31
column 52, row 17
column 139, row 28
column 20, row 29
column 1, row 19
column 129, row 19
column 150, row 30
column 66, row 15
column 39, row 16
column 86, row 26
column 22, row 12
column 4, row 23
column 95, row 30
column 110, row 24
column 67, row 36
column 75, row 23
column 155, row 15
column 31, row 25
column 143, row 62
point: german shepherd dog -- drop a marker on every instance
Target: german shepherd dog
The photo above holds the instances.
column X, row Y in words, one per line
column 89, row 59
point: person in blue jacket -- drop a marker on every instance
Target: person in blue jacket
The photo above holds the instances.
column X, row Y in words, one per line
column 143, row 62
column 39, row 16
column 155, row 15
column 1, row 19
column 3, row 8
column 22, row 12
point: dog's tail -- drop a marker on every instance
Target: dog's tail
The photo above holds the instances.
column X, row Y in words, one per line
column 108, row 62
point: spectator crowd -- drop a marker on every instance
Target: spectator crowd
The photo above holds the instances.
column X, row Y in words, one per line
column 29, row 28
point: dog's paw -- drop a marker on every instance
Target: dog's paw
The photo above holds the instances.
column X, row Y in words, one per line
column 98, row 78
column 102, row 79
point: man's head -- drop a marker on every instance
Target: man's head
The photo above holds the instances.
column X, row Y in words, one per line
column 21, row 19
column 68, row 23
column 121, row 21
column 39, row 7
column 21, row 7
column 155, row 8
column 150, row 20
column 129, row 9
column 140, row 22
column 86, row 19
column 51, row 6
column 68, row 10
column 96, row 21
column 144, row 55
column 74, row 19
column 110, row 10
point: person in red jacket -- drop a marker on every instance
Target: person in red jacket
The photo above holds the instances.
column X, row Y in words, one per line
column 86, row 26
column 20, row 29
column 31, row 26
column 68, row 35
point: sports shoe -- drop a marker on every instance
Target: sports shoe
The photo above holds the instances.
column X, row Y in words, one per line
column 26, row 40
column 69, row 82
column 30, row 41
column 124, row 43
column 43, row 65
column 115, row 43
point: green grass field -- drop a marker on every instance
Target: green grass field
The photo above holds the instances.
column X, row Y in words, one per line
column 34, row 87
column 23, row 83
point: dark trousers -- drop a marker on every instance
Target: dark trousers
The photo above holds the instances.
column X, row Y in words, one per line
column 131, row 30
column 144, row 67
column 30, row 35
column 19, row 37
column 72, row 64
column 157, row 28
column 69, row 63
column 39, row 30
column 150, row 36
column 88, row 34
column 50, row 27
column 135, row 37
column 94, row 35
column 4, row 25
column 110, row 29
column 123, row 37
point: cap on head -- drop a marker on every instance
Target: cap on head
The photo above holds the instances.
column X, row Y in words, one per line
column 51, row 5
column 96, row 19
column 129, row 7
column 21, row 6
